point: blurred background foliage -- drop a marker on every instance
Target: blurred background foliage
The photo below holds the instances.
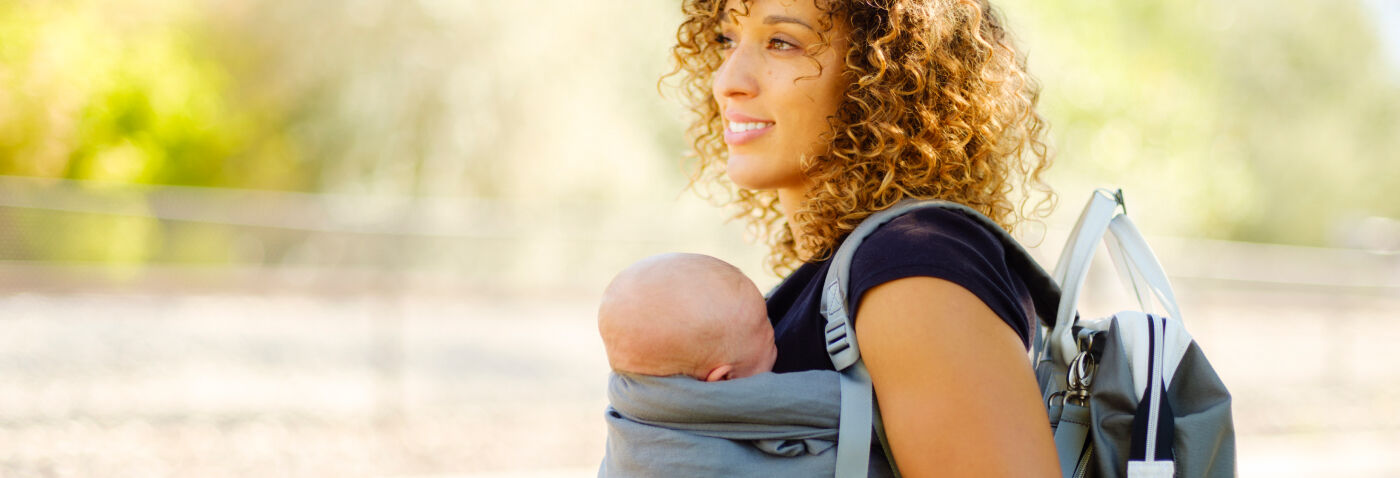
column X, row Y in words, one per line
column 1249, row 120
column 1255, row 121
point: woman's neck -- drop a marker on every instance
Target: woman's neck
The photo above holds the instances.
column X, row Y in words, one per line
column 790, row 200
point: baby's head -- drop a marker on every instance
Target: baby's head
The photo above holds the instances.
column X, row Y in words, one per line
column 687, row 314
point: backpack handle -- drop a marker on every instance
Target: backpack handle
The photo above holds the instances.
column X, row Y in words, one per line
column 1146, row 274
column 1136, row 262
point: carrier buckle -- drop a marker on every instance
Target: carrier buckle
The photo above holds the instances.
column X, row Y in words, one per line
column 840, row 343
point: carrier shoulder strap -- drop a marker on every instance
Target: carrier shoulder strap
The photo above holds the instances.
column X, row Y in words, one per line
column 858, row 409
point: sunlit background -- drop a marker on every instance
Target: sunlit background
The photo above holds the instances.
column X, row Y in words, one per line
column 367, row 237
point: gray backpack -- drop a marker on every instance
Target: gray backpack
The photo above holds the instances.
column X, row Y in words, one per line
column 1130, row 395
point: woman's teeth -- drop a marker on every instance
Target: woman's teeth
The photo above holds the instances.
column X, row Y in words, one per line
column 742, row 127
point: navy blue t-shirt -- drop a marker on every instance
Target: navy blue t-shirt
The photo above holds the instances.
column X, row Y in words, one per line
column 927, row 242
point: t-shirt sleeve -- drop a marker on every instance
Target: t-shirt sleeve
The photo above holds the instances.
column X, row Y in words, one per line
column 948, row 245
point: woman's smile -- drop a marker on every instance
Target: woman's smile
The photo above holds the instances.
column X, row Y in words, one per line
column 741, row 129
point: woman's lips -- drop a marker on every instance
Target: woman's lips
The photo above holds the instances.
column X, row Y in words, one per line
column 748, row 132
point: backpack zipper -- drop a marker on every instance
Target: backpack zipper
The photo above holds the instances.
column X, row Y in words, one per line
column 1159, row 329
column 1082, row 469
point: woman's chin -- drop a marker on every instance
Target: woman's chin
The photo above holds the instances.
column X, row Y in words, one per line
column 758, row 179
column 741, row 181
column 750, row 182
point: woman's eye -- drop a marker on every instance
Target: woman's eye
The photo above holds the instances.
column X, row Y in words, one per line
column 724, row 41
column 780, row 45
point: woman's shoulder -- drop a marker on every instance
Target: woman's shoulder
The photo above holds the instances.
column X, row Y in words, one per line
column 931, row 236
column 944, row 244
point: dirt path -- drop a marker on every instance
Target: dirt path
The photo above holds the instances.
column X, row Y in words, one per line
column 290, row 386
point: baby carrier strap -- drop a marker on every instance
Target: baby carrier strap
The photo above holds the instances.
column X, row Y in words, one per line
column 859, row 415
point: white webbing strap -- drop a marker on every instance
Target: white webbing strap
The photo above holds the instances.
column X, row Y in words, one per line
column 1148, row 272
column 1133, row 282
column 1073, row 267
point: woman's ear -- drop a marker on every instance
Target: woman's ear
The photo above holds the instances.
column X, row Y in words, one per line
column 719, row 373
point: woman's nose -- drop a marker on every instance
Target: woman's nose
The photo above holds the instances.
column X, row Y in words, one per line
column 735, row 77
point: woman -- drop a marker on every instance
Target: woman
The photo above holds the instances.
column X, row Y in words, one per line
column 818, row 113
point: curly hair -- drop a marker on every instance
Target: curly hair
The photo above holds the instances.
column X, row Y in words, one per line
column 938, row 104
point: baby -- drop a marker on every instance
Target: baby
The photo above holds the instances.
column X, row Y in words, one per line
column 686, row 314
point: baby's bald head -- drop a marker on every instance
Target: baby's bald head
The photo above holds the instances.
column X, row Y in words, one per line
column 685, row 314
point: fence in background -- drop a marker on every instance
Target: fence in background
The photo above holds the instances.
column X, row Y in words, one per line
column 53, row 231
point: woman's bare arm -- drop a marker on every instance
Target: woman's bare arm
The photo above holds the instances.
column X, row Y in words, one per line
column 956, row 390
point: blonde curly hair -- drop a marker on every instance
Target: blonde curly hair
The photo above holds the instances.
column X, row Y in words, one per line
column 938, row 104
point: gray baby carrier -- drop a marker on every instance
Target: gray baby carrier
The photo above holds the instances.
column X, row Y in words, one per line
column 770, row 425
column 1128, row 395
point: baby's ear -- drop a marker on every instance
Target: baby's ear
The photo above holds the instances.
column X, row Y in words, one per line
column 720, row 373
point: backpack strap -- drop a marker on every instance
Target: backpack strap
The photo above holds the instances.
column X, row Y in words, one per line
column 858, row 409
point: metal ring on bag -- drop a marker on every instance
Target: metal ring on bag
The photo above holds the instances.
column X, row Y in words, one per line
column 1081, row 371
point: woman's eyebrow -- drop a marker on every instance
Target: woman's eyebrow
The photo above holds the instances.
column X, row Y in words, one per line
column 770, row 20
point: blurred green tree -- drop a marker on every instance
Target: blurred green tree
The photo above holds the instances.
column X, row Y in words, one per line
column 90, row 93
column 1250, row 120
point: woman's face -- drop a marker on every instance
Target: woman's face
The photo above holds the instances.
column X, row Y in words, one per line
column 774, row 98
